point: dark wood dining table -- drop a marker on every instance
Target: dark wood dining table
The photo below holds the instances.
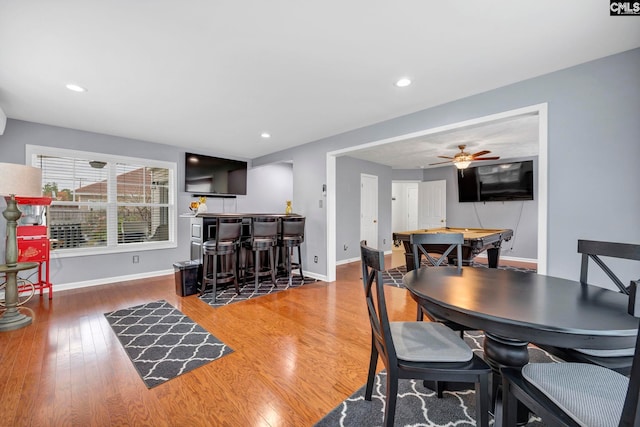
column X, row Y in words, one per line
column 516, row 308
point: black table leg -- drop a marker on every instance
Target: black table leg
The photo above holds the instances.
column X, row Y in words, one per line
column 493, row 254
column 498, row 352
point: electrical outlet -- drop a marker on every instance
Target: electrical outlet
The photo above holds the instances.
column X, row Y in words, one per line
column 384, row 241
column 315, row 259
column 320, row 203
column 136, row 259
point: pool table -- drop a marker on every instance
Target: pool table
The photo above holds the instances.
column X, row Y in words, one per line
column 476, row 240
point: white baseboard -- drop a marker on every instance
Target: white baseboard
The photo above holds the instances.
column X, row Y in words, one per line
column 316, row 276
column 511, row 258
column 347, row 261
column 107, row 280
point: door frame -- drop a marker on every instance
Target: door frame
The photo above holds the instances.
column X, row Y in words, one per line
column 543, row 171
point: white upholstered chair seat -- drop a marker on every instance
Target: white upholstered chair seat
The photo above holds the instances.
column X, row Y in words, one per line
column 592, row 395
column 621, row 352
column 428, row 342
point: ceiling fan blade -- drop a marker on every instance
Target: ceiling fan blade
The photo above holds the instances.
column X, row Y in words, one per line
column 486, row 158
column 445, row 157
column 439, row 163
column 480, row 153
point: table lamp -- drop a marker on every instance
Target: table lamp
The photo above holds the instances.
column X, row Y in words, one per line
column 23, row 181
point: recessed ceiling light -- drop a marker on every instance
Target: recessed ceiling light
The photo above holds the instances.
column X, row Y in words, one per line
column 265, row 135
column 404, row 82
column 76, row 88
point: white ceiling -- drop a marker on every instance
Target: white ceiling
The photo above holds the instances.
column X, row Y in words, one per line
column 215, row 74
column 505, row 138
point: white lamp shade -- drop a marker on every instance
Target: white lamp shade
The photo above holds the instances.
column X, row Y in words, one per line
column 20, row 180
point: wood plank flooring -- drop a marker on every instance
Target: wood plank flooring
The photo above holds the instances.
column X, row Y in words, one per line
column 297, row 354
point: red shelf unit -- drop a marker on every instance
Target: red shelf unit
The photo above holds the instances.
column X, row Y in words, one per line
column 34, row 245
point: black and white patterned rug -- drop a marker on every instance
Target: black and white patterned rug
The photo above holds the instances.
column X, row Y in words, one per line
column 416, row 404
column 393, row 276
column 162, row 342
column 248, row 291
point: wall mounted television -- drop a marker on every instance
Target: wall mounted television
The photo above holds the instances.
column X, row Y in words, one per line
column 214, row 176
column 496, row 183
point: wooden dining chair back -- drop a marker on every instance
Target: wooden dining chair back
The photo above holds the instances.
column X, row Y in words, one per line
column 619, row 360
column 574, row 394
column 445, row 242
column 415, row 350
column 594, row 250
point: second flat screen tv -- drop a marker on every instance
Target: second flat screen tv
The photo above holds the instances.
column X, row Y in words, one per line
column 214, row 176
column 494, row 183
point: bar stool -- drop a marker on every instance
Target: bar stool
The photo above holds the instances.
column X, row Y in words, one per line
column 264, row 238
column 226, row 242
column 292, row 236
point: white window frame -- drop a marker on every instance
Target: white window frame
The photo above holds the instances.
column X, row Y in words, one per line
column 32, row 151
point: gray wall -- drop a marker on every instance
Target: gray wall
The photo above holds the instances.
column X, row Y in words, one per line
column 267, row 189
column 593, row 134
column 520, row 216
column 348, row 172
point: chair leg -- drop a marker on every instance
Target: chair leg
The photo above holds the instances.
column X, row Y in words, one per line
column 300, row 262
column 392, row 396
column 256, row 269
column 289, row 264
column 482, row 402
column 373, row 363
column 205, row 268
column 420, row 314
column 272, row 265
column 234, row 268
column 214, row 276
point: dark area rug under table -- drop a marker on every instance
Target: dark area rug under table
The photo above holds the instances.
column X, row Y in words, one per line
column 248, row 291
column 162, row 342
column 416, row 404
column 393, row 276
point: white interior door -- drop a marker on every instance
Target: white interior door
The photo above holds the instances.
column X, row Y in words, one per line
column 432, row 206
column 369, row 209
column 412, row 206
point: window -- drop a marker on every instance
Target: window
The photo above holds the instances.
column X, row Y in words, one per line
column 102, row 203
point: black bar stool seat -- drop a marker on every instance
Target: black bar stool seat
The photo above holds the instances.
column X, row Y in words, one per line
column 292, row 236
column 264, row 238
column 215, row 255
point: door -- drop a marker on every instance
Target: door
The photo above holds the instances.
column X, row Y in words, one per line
column 369, row 209
column 412, row 206
column 432, row 206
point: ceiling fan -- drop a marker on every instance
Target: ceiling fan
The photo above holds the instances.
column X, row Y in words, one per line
column 462, row 160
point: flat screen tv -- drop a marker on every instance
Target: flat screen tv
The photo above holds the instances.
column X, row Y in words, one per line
column 214, row 176
column 495, row 183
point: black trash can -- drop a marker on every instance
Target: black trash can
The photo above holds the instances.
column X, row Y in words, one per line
column 187, row 275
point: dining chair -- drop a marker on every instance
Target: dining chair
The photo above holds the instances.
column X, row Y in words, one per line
column 446, row 242
column 429, row 351
column 619, row 360
column 574, row 394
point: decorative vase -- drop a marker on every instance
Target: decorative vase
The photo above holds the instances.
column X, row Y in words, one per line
column 288, row 210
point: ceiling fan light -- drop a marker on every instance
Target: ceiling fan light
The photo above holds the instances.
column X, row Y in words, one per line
column 462, row 165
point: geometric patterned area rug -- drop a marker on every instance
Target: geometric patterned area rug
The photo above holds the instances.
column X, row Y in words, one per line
column 162, row 342
column 418, row 405
column 393, row 276
column 229, row 295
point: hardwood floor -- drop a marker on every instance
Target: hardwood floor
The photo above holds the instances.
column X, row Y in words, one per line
column 297, row 354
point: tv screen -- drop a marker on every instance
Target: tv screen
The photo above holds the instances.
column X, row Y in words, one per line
column 494, row 183
column 210, row 176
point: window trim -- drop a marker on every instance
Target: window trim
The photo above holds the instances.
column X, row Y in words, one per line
column 32, row 151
